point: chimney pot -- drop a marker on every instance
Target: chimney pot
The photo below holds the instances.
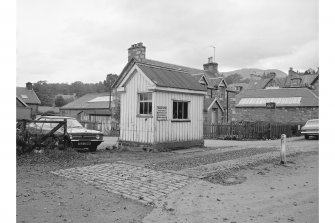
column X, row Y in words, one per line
column 29, row 86
column 136, row 51
column 211, row 66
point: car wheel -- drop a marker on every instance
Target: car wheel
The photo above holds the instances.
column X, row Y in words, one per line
column 93, row 148
column 306, row 137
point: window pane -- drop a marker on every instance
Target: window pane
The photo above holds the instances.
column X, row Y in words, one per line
column 185, row 110
column 149, row 96
column 174, row 112
column 150, row 108
column 145, row 97
column 141, row 97
column 141, row 108
column 145, row 108
column 180, row 110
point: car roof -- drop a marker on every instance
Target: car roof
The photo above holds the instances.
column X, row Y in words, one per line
column 56, row 117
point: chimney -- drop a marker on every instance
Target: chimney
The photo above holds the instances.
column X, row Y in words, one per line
column 29, row 86
column 136, row 51
column 211, row 66
column 290, row 72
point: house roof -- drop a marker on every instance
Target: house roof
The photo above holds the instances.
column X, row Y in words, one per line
column 90, row 101
column 294, row 97
column 214, row 82
column 168, row 75
column 18, row 100
column 259, row 84
column 27, row 96
column 306, row 79
column 209, row 102
column 173, row 66
column 172, row 78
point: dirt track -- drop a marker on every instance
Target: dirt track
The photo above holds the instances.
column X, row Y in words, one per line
column 44, row 197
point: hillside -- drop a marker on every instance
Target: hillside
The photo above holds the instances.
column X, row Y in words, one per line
column 245, row 73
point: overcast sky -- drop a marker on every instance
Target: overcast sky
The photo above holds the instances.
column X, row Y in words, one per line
column 63, row 41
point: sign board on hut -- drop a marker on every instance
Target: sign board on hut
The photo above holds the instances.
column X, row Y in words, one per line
column 161, row 113
column 270, row 105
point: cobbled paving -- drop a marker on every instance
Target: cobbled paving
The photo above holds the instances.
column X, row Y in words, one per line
column 134, row 182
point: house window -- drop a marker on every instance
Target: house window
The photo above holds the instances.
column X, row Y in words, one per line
column 145, row 103
column 295, row 82
column 180, row 110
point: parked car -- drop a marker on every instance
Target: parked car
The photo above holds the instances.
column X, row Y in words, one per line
column 311, row 128
column 79, row 136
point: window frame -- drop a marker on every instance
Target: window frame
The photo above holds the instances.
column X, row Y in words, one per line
column 182, row 119
column 149, row 101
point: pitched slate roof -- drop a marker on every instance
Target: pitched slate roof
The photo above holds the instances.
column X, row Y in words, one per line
column 294, row 97
column 259, row 84
column 214, row 82
column 208, row 103
column 172, row 78
column 20, row 103
column 306, row 79
column 168, row 75
column 84, row 102
column 27, row 96
column 173, row 66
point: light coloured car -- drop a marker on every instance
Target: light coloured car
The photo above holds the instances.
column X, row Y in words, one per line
column 79, row 136
column 311, row 128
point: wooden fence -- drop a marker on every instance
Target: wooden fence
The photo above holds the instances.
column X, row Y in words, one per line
column 250, row 130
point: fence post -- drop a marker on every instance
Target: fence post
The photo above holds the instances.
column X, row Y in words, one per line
column 283, row 149
column 65, row 126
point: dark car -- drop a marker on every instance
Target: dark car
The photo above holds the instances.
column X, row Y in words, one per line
column 311, row 128
column 80, row 137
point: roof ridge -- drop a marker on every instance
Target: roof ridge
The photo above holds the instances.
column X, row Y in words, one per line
column 165, row 68
column 167, row 64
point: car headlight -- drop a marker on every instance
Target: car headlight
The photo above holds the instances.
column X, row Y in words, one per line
column 97, row 136
column 70, row 136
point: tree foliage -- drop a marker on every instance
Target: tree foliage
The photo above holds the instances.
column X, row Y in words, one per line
column 236, row 78
column 59, row 101
column 47, row 92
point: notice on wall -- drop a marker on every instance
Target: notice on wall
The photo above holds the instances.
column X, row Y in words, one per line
column 161, row 113
column 270, row 105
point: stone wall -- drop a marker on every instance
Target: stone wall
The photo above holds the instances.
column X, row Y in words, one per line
column 297, row 115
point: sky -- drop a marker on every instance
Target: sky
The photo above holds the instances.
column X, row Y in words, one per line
column 84, row 40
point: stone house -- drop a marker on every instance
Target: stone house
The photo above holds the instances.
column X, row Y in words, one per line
column 297, row 79
column 291, row 105
column 29, row 97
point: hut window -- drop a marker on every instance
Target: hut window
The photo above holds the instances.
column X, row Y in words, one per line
column 145, row 103
column 180, row 110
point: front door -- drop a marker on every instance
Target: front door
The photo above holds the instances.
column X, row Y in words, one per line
column 214, row 116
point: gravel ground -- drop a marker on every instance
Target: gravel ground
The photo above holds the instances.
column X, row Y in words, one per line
column 226, row 176
column 189, row 162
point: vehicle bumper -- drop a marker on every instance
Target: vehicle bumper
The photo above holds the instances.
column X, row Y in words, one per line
column 85, row 144
column 310, row 133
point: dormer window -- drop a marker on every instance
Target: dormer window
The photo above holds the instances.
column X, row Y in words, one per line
column 295, row 82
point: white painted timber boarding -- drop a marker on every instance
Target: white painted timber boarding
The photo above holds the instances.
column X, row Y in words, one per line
column 133, row 128
column 169, row 131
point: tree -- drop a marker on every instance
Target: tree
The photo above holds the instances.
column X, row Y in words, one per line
column 59, row 101
column 236, row 78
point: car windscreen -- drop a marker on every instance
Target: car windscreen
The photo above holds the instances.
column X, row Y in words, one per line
column 313, row 122
column 71, row 123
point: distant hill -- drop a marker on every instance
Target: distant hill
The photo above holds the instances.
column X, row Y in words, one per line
column 245, row 72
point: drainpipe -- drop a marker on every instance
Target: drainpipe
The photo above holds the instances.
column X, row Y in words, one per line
column 227, row 104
